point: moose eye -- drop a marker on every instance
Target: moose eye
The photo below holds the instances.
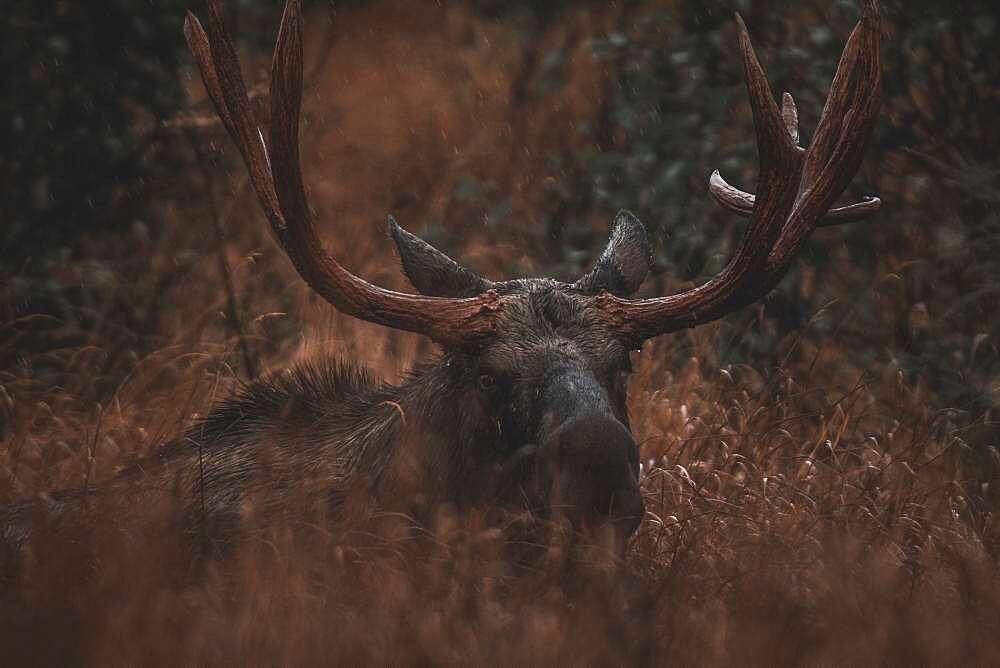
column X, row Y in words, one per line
column 487, row 382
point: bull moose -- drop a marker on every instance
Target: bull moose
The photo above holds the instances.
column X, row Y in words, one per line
column 525, row 407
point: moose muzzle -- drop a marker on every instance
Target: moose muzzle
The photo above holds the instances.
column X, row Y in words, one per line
column 595, row 475
column 592, row 460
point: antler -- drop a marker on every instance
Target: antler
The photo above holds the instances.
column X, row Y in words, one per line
column 741, row 203
column 796, row 188
column 277, row 179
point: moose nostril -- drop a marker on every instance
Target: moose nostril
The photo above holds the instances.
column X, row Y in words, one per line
column 594, row 458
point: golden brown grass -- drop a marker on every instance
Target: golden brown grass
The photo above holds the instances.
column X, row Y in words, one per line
column 810, row 513
column 786, row 522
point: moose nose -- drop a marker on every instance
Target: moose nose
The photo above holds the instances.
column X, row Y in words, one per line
column 596, row 474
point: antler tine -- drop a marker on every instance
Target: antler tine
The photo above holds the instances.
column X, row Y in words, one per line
column 847, row 92
column 779, row 160
column 795, row 191
column 277, row 179
column 225, row 87
column 286, row 104
column 838, row 147
column 790, row 113
column 198, row 44
column 741, row 203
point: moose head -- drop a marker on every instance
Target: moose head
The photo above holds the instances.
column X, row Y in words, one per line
column 543, row 365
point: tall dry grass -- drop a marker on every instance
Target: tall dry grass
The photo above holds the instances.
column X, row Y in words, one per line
column 810, row 512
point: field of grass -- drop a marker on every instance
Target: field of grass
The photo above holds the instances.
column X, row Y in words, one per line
column 825, row 501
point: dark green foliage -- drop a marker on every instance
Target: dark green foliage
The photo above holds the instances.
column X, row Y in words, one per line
column 85, row 88
column 680, row 111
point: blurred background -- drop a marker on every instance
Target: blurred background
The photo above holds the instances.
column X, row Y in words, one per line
column 138, row 281
column 507, row 133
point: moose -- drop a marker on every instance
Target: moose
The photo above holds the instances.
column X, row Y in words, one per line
column 525, row 406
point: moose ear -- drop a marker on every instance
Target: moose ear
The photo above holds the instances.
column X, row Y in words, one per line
column 623, row 265
column 432, row 272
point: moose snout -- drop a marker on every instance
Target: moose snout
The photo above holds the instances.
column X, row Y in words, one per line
column 596, row 470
